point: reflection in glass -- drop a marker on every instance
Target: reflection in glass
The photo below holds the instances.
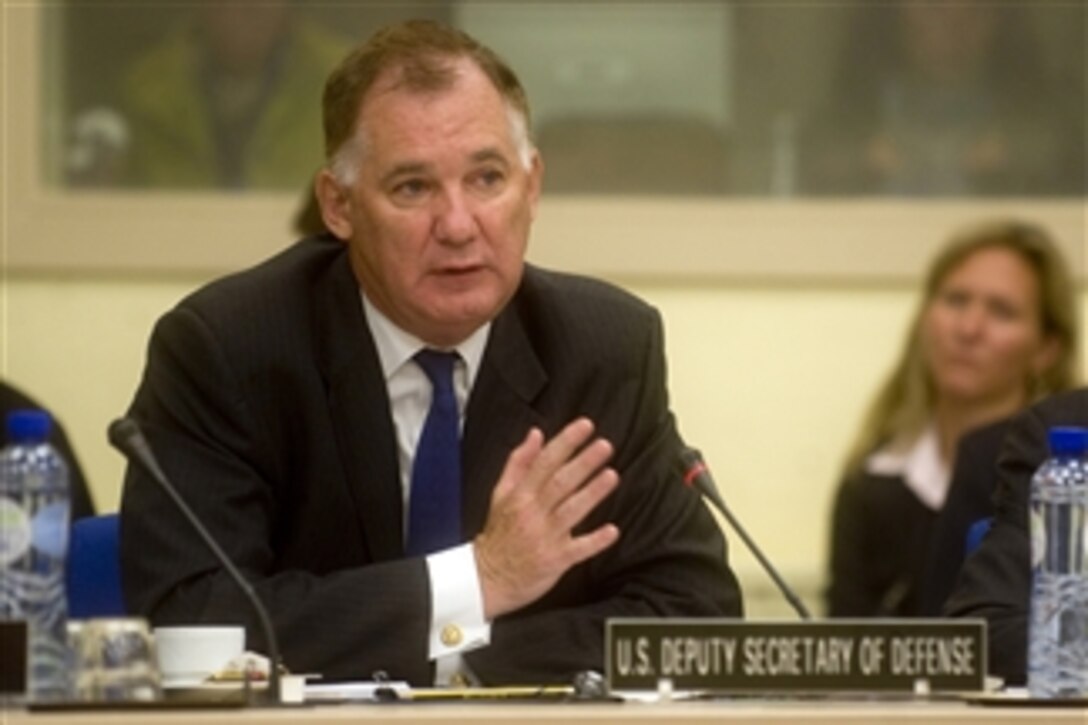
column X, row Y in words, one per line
column 905, row 98
column 944, row 99
column 229, row 98
column 211, row 95
column 626, row 98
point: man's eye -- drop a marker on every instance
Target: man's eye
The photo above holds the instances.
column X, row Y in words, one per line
column 410, row 189
column 489, row 178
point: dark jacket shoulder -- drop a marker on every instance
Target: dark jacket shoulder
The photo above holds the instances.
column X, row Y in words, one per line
column 281, row 279
column 559, row 309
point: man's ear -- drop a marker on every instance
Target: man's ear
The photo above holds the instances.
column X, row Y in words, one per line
column 335, row 202
column 536, row 181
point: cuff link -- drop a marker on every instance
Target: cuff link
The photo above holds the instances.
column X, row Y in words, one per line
column 451, row 635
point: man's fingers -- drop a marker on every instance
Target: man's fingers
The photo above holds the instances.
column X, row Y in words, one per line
column 520, row 461
column 589, row 545
column 546, row 489
column 575, row 507
column 574, row 473
column 559, row 450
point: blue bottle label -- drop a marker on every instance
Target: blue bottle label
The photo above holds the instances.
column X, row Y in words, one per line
column 49, row 531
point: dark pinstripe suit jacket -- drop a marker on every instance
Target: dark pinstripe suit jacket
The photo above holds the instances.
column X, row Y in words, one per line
column 264, row 399
column 995, row 582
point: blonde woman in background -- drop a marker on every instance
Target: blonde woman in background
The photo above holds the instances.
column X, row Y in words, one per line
column 995, row 331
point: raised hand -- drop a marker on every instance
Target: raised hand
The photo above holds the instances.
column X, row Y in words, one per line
column 545, row 490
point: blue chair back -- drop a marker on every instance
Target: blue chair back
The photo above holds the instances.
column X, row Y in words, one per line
column 94, row 568
column 975, row 533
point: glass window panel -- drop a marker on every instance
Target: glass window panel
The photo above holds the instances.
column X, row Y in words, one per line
column 205, row 95
column 631, row 98
column 894, row 99
column 947, row 99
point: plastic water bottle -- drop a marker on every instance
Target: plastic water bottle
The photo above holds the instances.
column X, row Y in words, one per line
column 34, row 519
column 1058, row 631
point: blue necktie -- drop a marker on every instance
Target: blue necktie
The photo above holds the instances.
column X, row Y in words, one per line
column 434, row 508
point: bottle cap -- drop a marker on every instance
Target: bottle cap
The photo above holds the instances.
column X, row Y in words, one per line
column 28, row 426
column 1068, row 441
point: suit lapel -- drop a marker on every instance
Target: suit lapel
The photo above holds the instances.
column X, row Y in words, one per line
column 359, row 407
column 499, row 412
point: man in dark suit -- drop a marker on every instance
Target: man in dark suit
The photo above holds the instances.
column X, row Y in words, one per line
column 995, row 583
column 288, row 404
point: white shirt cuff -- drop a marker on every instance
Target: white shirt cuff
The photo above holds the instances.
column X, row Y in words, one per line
column 457, row 607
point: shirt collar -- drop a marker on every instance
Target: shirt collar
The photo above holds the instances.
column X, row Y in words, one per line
column 919, row 465
column 397, row 346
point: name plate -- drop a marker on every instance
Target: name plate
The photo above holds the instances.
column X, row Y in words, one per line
column 13, row 652
column 844, row 655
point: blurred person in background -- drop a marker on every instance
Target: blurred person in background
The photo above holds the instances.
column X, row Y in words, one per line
column 230, row 99
column 12, row 399
column 995, row 331
column 937, row 99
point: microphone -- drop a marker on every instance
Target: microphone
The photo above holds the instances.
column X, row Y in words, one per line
column 590, row 685
column 697, row 476
column 125, row 435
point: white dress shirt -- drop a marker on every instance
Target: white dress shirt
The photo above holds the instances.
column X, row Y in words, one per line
column 457, row 613
column 920, row 465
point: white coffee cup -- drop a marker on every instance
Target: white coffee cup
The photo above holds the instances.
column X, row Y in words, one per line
column 190, row 655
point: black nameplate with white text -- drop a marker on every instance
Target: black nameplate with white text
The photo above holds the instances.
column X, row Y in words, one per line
column 844, row 655
column 13, row 652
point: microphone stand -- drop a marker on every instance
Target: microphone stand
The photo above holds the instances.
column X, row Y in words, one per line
column 126, row 436
column 696, row 474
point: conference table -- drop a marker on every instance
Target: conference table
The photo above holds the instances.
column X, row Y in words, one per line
column 731, row 712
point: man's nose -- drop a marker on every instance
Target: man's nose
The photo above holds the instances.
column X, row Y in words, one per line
column 454, row 221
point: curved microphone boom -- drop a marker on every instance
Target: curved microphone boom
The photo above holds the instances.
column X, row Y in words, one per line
column 697, row 476
column 125, row 435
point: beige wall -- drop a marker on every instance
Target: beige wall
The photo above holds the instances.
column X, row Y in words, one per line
column 768, row 380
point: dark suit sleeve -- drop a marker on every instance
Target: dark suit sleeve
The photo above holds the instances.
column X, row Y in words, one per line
column 670, row 559
column 995, row 581
column 342, row 621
